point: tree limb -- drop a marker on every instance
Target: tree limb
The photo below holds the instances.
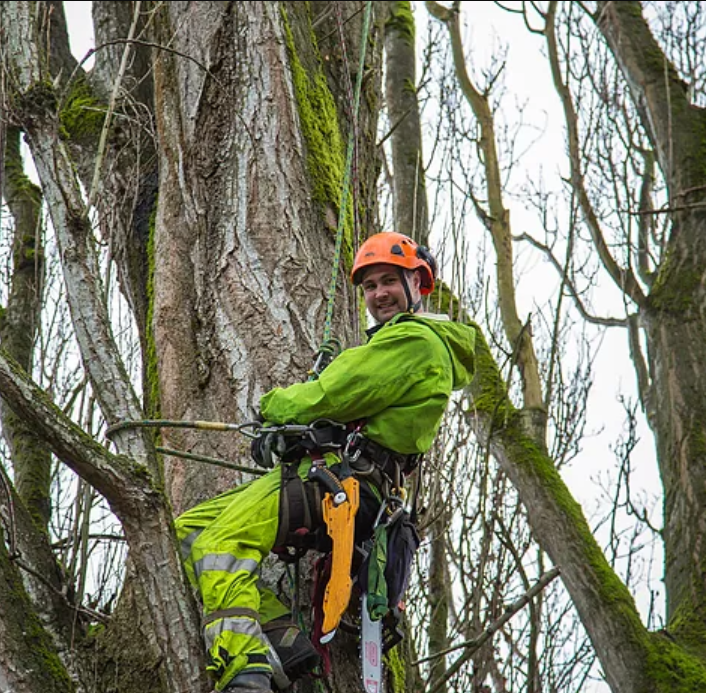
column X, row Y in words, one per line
column 604, row 604
column 594, row 319
column 623, row 278
column 35, row 110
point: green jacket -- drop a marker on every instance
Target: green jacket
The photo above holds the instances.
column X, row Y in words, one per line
column 399, row 382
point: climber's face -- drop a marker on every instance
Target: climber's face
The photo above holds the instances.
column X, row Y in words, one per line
column 384, row 291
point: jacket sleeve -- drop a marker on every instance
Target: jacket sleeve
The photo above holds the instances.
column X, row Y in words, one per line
column 363, row 380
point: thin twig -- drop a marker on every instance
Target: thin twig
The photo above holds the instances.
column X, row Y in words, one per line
column 97, row 615
column 471, row 646
column 606, row 322
column 109, row 113
column 137, row 42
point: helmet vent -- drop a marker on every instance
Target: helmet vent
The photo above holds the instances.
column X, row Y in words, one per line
column 397, row 250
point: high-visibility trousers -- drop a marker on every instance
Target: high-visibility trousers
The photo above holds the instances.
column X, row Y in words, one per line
column 223, row 541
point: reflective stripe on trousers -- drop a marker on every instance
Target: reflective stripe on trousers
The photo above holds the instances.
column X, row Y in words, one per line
column 240, row 625
column 223, row 541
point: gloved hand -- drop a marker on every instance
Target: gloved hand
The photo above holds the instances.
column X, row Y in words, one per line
column 265, row 447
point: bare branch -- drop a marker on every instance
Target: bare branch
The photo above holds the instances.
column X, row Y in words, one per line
column 116, row 478
column 645, row 220
column 644, row 382
column 476, row 643
column 499, row 216
column 594, row 319
column 623, row 278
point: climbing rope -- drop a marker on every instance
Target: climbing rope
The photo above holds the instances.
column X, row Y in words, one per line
column 210, row 460
column 171, row 423
column 352, row 138
column 255, row 426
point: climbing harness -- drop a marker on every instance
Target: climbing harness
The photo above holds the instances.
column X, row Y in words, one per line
column 332, row 504
column 387, row 553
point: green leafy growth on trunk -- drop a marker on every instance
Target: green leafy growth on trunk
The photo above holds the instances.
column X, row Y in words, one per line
column 325, row 149
column 401, row 20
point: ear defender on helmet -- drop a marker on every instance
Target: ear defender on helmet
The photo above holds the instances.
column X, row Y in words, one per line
column 392, row 248
column 424, row 254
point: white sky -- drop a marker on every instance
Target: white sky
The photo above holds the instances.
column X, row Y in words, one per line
column 78, row 18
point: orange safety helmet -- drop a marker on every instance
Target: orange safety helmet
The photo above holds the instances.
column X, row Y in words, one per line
column 391, row 248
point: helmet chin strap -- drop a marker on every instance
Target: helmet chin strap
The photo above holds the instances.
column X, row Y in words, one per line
column 411, row 307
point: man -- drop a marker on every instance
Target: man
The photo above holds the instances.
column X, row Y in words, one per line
column 392, row 392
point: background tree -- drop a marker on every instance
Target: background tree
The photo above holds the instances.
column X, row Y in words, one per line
column 608, row 131
column 476, row 538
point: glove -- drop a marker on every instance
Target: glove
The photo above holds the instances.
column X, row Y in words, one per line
column 265, row 446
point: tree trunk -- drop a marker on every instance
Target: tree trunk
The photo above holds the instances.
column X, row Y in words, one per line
column 237, row 194
column 19, row 325
column 674, row 316
column 410, row 200
column 676, row 335
column 253, row 146
column 28, row 662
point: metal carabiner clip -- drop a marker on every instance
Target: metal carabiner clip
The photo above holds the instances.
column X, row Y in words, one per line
column 353, row 437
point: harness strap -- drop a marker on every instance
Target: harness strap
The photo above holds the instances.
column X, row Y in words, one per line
column 299, row 507
column 300, row 511
column 228, row 613
column 388, row 461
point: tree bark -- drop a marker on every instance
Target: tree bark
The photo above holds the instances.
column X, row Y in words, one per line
column 236, row 197
column 410, row 200
column 674, row 317
column 28, row 661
